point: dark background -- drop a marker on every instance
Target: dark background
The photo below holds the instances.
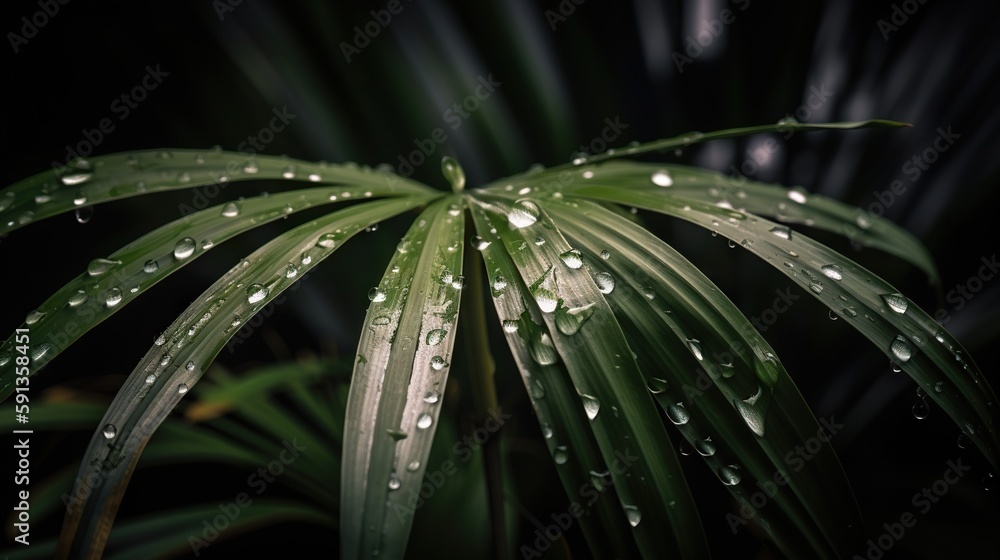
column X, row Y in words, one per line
column 605, row 60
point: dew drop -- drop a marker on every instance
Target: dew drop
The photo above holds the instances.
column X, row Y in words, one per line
column 291, row 271
column 605, row 255
column 33, row 317
column 705, row 447
column 678, row 414
column 230, row 210
column 182, row 388
column 424, row 421
column 633, row 515
column 695, row 346
column 376, row 295
column 413, row 466
column 150, row 379
column 542, row 350
column 150, row 266
column 523, row 214
column 256, row 292
column 783, row 232
column 730, row 475
column 97, row 267
column 963, row 441
column 394, row 483
column 832, row 271
column 453, row 172
column 590, row 405
column 656, row 385
column 432, row 397
column 662, row 178
column 113, row 297
column 920, row 409
column 77, row 299
column 83, row 215
column 110, row 431
column 435, row 336
column 797, row 196
column 901, row 348
column 326, row 241
column 184, row 248
column 479, row 243
column 559, row 455
column 605, row 282
column 438, row 363
column 572, row 259
column 510, row 326
column 896, row 301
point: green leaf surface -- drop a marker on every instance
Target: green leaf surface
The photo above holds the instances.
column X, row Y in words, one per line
column 719, row 382
column 622, row 415
column 399, row 377
column 178, row 359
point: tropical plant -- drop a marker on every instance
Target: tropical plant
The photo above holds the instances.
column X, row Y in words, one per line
column 615, row 335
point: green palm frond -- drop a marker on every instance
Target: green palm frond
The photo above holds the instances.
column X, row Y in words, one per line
column 611, row 329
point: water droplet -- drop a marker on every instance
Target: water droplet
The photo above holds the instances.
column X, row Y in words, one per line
column 113, row 297
column 849, row 311
column 33, row 317
column 797, row 196
column 184, row 248
column 816, row 287
column 80, row 171
column 963, row 441
column 787, row 123
column 656, row 385
column 559, row 455
column 662, row 178
column 182, row 388
column 499, row 283
column 572, row 259
column 435, row 336
column 479, row 243
column 605, row 255
column 705, row 447
column 569, row 321
column 896, row 301
column 432, row 397
column 189, row 366
column 250, row 167
column 413, row 466
column 832, row 271
column 989, row 482
column 539, row 241
column 633, row 515
column 150, row 379
column 256, row 292
column 590, row 405
column 288, row 172
column 326, row 241
column 110, row 431
column 394, row 483
column 783, row 232
column 695, row 346
column 97, row 267
column 77, row 299
column 510, row 325
column 901, row 348
column 424, row 421
column 83, row 215
column 150, row 266
column 453, row 172
column 291, row 271
column 920, row 409
column 605, row 282
column 230, row 210
column 438, row 363
column 523, row 214
column 730, row 475
column 542, row 350
column 579, row 158
column 678, row 414
column 752, row 413
column 376, row 295
column 547, row 431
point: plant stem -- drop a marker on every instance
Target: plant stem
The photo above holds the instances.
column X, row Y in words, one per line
column 484, row 395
